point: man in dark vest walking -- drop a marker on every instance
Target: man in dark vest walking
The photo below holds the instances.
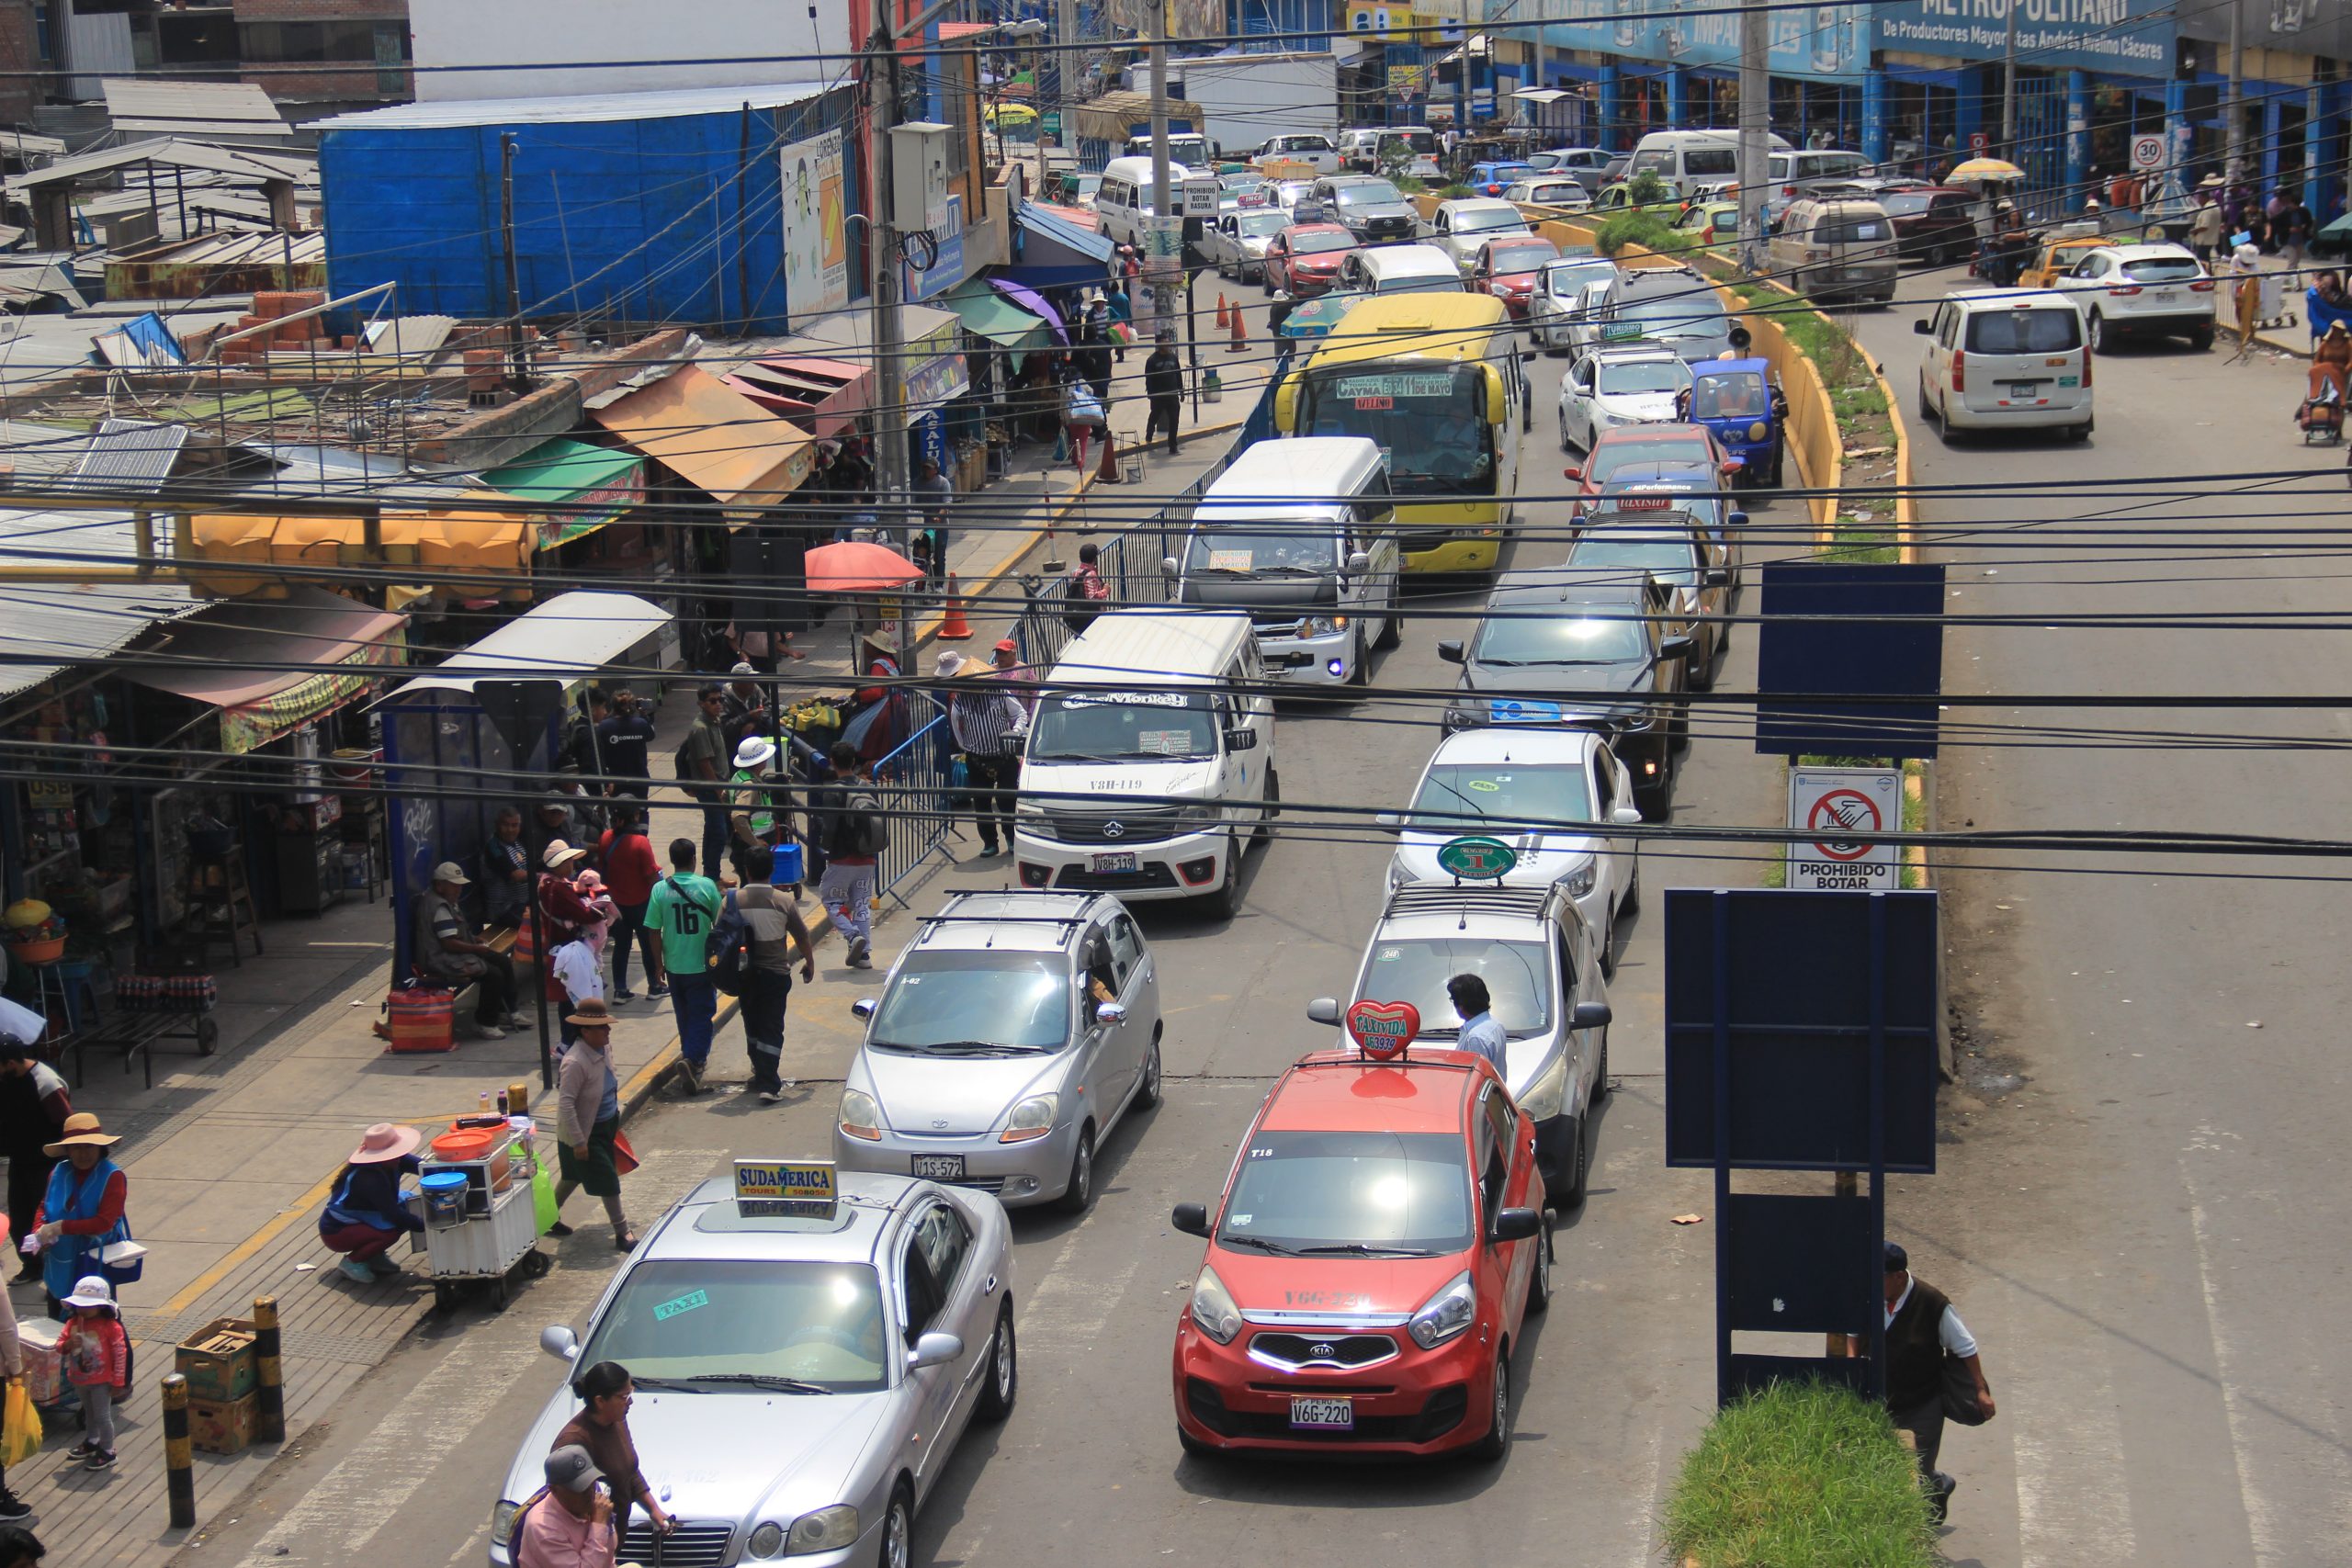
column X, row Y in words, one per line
column 1921, row 1330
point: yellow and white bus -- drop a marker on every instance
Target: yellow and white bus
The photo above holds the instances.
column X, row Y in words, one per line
column 1436, row 380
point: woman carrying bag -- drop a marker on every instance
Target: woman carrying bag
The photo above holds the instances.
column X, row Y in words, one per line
column 82, row 1214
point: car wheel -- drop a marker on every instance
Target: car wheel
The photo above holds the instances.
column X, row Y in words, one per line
column 1359, row 666
column 1004, row 1371
column 1609, row 945
column 1392, row 619
column 2079, row 431
column 1571, row 1172
column 1193, row 1445
column 1226, row 900
column 898, row 1529
column 1632, row 901
column 2201, row 338
column 1148, row 1091
column 1497, row 1442
column 1600, row 1074
column 1539, row 1288
column 1272, row 808
column 1078, row 1196
column 2095, row 332
column 1926, row 413
column 1563, row 431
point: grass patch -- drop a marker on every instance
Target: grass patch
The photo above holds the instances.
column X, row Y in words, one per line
column 1801, row 1475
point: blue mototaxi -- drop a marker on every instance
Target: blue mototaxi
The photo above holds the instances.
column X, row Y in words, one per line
column 1743, row 406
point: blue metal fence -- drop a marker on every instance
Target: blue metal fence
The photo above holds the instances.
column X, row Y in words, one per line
column 911, row 781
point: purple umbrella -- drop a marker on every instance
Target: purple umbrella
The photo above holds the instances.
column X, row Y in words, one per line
column 1032, row 302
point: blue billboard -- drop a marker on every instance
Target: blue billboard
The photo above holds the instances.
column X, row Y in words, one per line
column 2125, row 38
column 1820, row 41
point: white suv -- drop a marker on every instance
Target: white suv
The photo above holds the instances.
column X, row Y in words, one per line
column 2011, row 358
column 2131, row 290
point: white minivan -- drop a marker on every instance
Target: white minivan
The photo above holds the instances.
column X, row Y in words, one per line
column 1301, row 535
column 1149, row 763
column 1123, row 202
column 1399, row 269
column 2011, row 358
column 1686, row 160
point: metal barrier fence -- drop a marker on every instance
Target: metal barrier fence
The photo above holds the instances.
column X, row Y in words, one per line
column 912, row 781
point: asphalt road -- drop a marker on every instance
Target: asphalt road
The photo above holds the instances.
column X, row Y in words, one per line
column 1616, row 1379
column 2142, row 1196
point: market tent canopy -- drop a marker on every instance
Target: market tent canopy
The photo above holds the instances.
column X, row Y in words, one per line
column 311, row 652
column 583, row 487
column 824, row 395
column 712, row 437
column 289, row 544
column 52, row 626
column 988, row 314
column 1056, row 252
column 571, row 637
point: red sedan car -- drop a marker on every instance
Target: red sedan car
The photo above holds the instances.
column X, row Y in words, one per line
column 1304, row 258
column 1379, row 1244
column 1506, row 268
column 1632, row 444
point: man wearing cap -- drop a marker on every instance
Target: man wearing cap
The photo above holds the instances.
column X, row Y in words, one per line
column 553, row 821
column 445, row 947
column 980, row 714
column 364, row 1213
column 34, row 1105
column 1922, row 1329
column 588, row 1119
column 744, row 709
column 83, row 1209
column 571, row 1525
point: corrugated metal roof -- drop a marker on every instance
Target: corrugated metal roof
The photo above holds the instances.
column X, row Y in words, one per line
column 233, row 109
column 462, row 112
column 40, row 449
column 51, row 627
column 252, row 167
column 130, row 453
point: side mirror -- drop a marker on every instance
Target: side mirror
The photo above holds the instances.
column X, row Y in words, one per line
column 1626, row 817
column 1244, row 739
column 863, row 1008
column 1572, row 473
column 559, row 1342
column 1735, row 519
column 1733, row 465
column 1359, row 562
column 1110, row 1013
column 1591, row 1015
column 1450, row 649
column 1168, row 568
column 1675, row 647
column 1324, row 1009
column 1920, row 327
column 1193, row 1219
column 1389, row 821
column 1718, row 578
column 1516, row 1225
column 934, row 1349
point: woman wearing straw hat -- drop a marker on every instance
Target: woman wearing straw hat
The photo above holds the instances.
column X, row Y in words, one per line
column 364, row 1213
column 82, row 1211
column 588, row 1121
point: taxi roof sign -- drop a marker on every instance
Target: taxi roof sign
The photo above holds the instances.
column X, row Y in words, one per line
column 798, row 1187
column 1477, row 857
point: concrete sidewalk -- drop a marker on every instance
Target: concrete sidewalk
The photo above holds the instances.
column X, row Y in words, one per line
column 231, row 1157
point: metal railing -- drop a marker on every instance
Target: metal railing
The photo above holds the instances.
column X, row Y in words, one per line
column 912, row 780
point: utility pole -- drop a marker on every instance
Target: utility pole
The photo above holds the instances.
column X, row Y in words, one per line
column 517, row 377
column 2009, row 85
column 891, row 477
column 1065, row 20
column 1755, row 129
column 1163, row 217
column 2234, row 115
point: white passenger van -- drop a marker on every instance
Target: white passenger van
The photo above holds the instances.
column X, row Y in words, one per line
column 1150, row 760
column 1301, row 534
column 1123, row 204
column 1686, row 160
column 1400, row 269
column 2010, row 358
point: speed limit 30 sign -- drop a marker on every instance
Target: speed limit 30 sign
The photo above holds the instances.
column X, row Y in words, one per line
column 1838, row 810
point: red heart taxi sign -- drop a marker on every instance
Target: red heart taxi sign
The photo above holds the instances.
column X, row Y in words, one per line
column 1383, row 1030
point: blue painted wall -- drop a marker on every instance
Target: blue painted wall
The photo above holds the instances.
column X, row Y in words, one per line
column 634, row 218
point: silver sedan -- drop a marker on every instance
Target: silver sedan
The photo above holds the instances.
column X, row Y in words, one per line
column 801, row 1378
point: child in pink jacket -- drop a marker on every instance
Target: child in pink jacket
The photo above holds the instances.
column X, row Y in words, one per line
column 97, row 1353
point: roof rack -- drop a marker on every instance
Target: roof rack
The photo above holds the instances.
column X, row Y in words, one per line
column 949, row 912
column 1485, row 898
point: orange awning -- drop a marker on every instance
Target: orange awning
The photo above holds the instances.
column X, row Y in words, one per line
column 322, row 544
column 713, row 437
column 468, row 543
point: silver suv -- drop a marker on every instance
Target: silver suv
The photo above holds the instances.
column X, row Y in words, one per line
column 1669, row 305
column 1539, row 959
column 1012, row 1034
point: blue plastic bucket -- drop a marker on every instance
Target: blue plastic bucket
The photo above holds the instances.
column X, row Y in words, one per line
column 787, row 872
column 445, row 1197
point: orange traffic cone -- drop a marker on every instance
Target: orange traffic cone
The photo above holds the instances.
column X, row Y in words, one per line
column 1108, row 473
column 1240, row 333
column 955, row 629
column 1221, row 322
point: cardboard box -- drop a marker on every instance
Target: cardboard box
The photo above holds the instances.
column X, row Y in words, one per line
column 44, row 1371
column 217, row 1360
column 222, row 1426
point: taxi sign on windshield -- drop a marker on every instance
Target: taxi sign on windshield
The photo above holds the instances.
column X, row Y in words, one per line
column 802, row 1187
column 1477, row 859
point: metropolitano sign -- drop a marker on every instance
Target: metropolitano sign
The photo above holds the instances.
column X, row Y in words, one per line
column 2129, row 36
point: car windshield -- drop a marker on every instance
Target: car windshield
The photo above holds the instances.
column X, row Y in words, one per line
column 961, row 1002
column 1425, row 283
column 1476, row 221
column 2162, row 269
column 1462, row 797
column 1518, row 976
column 1373, row 192
column 1643, row 376
column 1729, row 394
column 1107, row 726
column 1263, row 223
column 1567, row 279
column 1431, row 421
column 1694, row 312
column 1664, row 556
column 1082, row 185
column 1240, row 182
column 1520, row 258
column 1611, row 456
column 1532, row 636
column 1400, row 1192
column 1229, row 550
column 1306, row 244
column 2050, row 330
column 677, row 1320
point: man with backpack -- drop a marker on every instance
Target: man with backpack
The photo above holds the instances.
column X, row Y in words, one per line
column 752, row 949
column 1085, row 592
column 856, row 835
column 683, row 909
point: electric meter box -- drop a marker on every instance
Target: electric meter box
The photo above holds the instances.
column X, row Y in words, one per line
column 918, row 173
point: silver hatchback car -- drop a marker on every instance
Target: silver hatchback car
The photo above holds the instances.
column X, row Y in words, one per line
column 1012, row 1036
column 801, row 1378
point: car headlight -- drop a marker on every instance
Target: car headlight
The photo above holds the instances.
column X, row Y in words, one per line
column 1325, row 625
column 1758, row 431
column 1543, row 1097
column 1032, row 1119
column 1214, row 1313
column 1579, row 881
column 1199, row 818
column 1446, row 1313
column 827, row 1529
column 502, row 1521
column 860, row 1116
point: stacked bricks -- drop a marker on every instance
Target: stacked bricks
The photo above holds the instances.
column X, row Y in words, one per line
column 269, row 306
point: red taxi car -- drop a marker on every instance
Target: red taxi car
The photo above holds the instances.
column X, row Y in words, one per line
column 1379, row 1242
column 1647, row 443
column 1506, row 268
column 1304, row 258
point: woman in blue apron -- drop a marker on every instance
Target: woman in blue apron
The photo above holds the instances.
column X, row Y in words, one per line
column 81, row 1212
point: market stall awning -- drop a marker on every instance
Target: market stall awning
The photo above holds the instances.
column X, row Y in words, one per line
column 271, row 665
column 570, row 488
column 933, row 363
column 713, row 437
column 824, row 396
column 486, row 540
column 571, row 637
column 322, row 544
column 1056, row 252
column 1034, row 303
column 988, row 314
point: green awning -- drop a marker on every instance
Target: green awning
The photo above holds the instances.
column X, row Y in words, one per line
column 988, row 315
column 584, row 487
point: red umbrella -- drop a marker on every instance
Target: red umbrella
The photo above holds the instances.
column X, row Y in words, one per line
column 857, row 566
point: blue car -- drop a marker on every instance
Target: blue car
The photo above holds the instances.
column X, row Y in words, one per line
column 1743, row 406
column 1488, row 179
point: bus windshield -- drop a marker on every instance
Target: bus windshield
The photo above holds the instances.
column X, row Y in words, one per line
column 1429, row 420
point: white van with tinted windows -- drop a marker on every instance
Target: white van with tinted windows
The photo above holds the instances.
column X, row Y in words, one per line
column 1400, row 269
column 1123, row 202
column 1149, row 766
column 2008, row 358
column 1686, row 160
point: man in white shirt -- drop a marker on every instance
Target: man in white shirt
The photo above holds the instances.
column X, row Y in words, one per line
column 1482, row 1033
column 1922, row 1330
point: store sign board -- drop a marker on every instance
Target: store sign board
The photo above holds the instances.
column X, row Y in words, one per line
column 2131, row 35
column 816, row 242
column 1823, row 40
